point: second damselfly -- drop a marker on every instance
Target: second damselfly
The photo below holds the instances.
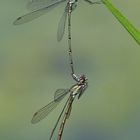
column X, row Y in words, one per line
column 76, row 90
column 40, row 7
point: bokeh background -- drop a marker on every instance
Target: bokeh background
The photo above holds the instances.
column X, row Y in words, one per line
column 33, row 65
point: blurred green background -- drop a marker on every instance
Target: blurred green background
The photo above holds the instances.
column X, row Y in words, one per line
column 33, row 65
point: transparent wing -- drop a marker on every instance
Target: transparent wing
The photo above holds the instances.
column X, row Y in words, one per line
column 43, row 112
column 35, row 14
column 39, row 4
column 61, row 25
column 60, row 94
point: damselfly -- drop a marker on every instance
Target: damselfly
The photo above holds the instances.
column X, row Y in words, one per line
column 76, row 90
column 40, row 7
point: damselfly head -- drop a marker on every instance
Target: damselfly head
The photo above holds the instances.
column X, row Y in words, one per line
column 83, row 78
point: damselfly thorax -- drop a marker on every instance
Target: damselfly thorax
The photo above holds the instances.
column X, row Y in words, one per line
column 79, row 87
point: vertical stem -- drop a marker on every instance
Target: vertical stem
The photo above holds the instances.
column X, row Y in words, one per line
column 125, row 22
